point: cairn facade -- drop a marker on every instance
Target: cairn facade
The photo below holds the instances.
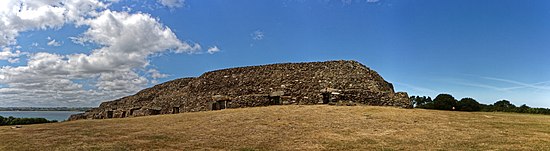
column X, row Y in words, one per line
column 331, row 82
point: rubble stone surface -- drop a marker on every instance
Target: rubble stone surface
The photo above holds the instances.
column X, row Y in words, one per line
column 332, row 82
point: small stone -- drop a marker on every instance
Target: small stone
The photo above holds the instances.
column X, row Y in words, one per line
column 17, row 126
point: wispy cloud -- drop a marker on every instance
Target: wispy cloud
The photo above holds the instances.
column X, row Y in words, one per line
column 346, row 2
column 472, row 84
column 53, row 42
column 538, row 85
column 349, row 2
column 213, row 50
column 515, row 84
column 257, row 35
column 155, row 74
column 172, row 3
column 417, row 88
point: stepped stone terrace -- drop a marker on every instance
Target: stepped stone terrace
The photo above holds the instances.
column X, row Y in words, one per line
column 332, row 82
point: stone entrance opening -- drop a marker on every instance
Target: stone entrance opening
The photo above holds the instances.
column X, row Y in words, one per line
column 219, row 105
column 326, row 97
column 275, row 97
column 109, row 114
column 216, row 106
column 175, row 110
column 155, row 112
column 220, row 102
column 275, row 100
column 132, row 112
column 123, row 115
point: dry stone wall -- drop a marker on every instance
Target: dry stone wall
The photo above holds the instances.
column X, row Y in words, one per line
column 332, row 82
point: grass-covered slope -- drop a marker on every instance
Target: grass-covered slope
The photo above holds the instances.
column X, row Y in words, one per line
column 292, row 127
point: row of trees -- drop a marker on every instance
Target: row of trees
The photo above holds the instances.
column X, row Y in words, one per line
column 448, row 102
column 22, row 121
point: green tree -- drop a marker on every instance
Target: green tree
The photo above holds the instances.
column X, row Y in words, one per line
column 504, row 106
column 429, row 103
column 468, row 104
column 417, row 100
column 487, row 108
column 422, row 102
column 523, row 108
column 444, row 102
column 413, row 100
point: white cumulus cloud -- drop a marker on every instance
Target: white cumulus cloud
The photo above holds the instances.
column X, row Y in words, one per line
column 125, row 41
column 23, row 15
column 8, row 54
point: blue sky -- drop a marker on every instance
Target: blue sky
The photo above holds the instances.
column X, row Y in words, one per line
column 486, row 50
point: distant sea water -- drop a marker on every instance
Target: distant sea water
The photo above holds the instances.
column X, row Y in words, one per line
column 50, row 115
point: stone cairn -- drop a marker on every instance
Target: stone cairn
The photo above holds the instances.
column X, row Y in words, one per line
column 332, row 82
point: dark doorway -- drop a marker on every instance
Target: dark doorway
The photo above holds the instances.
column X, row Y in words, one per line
column 275, row 100
column 216, row 106
column 175, row 110
column 109, row 114
column 131, row 112
column 123, row 114
column 222, row 104
column 326, row 98
column 155, row 112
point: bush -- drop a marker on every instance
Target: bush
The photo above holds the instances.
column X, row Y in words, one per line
column 504, row 106
column 22, row 121
column 523, row 109
column 468, row 104
column 422, row 102
column 444, row 102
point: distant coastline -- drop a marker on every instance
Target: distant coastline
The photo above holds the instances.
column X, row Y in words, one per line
column 45, row 108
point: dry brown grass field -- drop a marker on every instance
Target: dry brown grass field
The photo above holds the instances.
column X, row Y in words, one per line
column 292, row 127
